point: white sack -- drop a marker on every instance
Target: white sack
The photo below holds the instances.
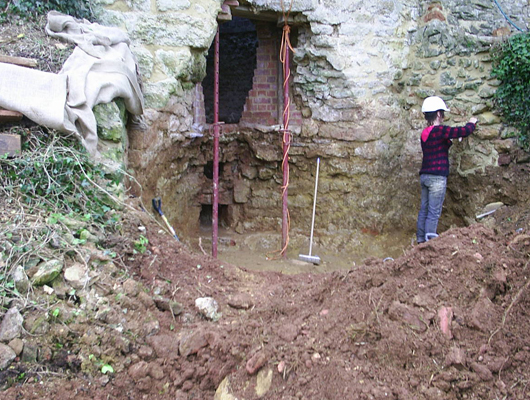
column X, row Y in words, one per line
column 100, row 69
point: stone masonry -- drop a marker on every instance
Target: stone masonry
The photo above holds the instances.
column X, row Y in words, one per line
column 360, row 71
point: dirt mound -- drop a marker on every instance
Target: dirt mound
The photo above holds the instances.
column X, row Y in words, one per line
column 446, row 320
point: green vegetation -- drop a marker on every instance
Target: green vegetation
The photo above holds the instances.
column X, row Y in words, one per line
column 104, row 367
column 140, row 245
column 31, row 9
column 55, row 173
column 511, row 65
column 53, row 199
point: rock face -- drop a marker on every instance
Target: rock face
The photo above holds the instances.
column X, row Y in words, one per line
column 359, row 73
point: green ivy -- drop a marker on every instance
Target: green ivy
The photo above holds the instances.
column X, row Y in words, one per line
column 511, row 65
column 55, row 173
column 31, row 9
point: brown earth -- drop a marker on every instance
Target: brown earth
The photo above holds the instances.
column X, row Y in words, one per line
column 443, row 320
column 373, row 331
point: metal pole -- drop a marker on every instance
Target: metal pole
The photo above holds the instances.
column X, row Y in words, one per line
column 286, row 145
column 215, row 201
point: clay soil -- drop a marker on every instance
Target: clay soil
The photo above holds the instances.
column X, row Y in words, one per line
column 444, row 320
column 372, row 331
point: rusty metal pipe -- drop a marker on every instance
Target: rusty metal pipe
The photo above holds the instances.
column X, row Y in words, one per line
column 215, row 200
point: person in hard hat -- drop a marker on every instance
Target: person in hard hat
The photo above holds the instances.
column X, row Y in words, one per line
column 435, row 144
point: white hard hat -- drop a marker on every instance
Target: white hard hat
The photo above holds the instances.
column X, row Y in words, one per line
column 433, row 103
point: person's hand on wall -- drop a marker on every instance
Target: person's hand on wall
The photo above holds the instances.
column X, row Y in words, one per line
column 473, row 120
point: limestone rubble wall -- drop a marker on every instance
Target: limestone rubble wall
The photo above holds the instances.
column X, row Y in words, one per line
column 360, row 72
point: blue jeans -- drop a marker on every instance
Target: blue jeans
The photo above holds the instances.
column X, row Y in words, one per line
column 432, row 199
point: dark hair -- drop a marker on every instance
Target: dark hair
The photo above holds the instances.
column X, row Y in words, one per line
column 432, row 115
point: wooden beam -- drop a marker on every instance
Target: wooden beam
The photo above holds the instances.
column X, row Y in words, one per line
column 23, row 62
column 9, row 116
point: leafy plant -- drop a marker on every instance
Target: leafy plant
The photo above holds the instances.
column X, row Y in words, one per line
column 511, row 65
column 107, row 368
column 7, row 286
column 30, row 9
column 45, row 194
column 56, row 173
column 140, row 245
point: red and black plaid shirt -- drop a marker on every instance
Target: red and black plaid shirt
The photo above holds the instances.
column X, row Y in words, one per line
column 436, row 146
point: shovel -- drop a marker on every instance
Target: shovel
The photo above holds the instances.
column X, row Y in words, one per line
column 308, row 257
column 157, row 205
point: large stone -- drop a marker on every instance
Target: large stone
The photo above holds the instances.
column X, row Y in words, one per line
column 241, row 191
column 278, row 5
column 17, row 345
column 47, row 272
column 76, row 276
column 172, row 5
column 139, row 370
column 192, row 342
column 72, row 223
column 485, row 315
column 166, row 346
column 487, row 133
column 488, row 118
column 111, row 120
column 21, row 280
column 263, row 382
column 361, row 132
column 174, row 29
column 7, row 355
column 30, row 354
column 11, row 325
column 257, row 361
column 223, row 391
column 482, row 371
column 207, row 306
column 157, row 94
column 409, row 316
column 174, row 64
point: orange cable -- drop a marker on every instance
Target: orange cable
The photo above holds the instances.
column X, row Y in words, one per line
column 284, row 48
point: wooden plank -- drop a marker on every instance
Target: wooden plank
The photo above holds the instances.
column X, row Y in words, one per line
column 24, row 62
column 9, row 144
column 9, row 116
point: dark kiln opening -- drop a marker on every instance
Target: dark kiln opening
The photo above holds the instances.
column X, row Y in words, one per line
column 205, row 218
column 238, row 41
column 208, row 170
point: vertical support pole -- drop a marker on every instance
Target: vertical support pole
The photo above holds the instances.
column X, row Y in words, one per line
column 215, row 200
column 286, row 145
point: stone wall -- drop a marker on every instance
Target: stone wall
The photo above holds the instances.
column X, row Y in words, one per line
column 360, row 71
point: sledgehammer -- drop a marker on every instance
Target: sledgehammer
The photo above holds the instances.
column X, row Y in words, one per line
column 157, row 205
column 309, row 257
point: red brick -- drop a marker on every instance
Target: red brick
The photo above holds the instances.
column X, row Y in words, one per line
column 263, row 58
